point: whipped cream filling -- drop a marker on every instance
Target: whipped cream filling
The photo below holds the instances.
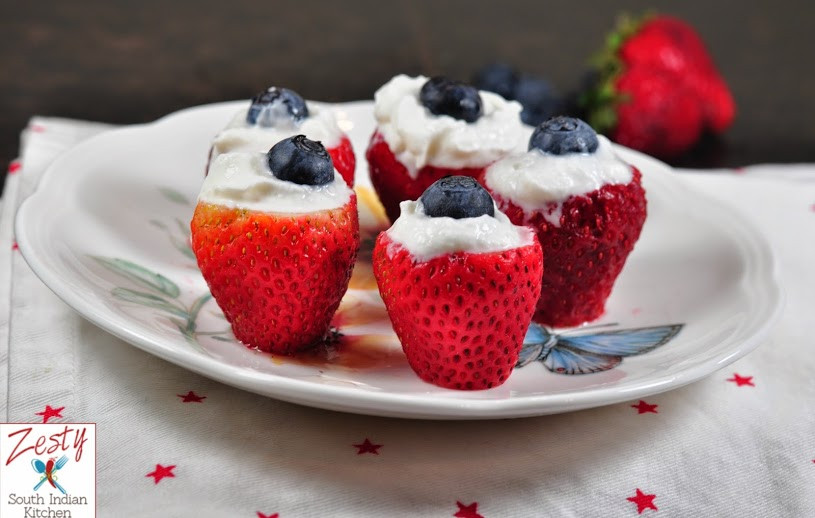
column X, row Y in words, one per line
column 321, row 125
column 537, row 181
column 243, row 180
column 418, row 138
column 426, row 237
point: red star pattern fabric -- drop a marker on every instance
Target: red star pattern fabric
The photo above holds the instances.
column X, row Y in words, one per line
column 643, row 501
column 24, row 168
column 367, row 447
column 644, row 408
column 742, row 380
column 161, row 472
column 49, row 412
column 191, row 397
column 467, row 511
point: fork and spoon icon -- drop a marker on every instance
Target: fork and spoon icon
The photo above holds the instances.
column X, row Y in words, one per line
column 47, row 471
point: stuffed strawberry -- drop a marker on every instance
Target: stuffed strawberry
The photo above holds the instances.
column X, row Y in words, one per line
column 431, row 128
column 587, row 208
column 460, row 283
column 657, row 89
column 279, row 113
column 276, row 235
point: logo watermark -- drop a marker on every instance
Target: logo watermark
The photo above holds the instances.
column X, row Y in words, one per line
column 48, row 470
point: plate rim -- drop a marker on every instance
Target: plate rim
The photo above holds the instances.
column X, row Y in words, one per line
column 424, row 406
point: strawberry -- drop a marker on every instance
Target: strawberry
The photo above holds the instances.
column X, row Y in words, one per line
column 720, row 110
column 391, row 180
column 657, row 89
column 664, row 43
column 587, row 231
column 655, row 98
column 278, row 277
column 461, row 316
column 344, row 160
column 585, row 254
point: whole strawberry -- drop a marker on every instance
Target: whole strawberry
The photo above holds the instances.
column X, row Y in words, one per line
column 587, row 208
column 657, row 89
column 460, row 283
column 276, row 239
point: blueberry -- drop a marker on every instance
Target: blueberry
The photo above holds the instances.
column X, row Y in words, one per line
column 457, row 197
column 499, row 78
column 563, row 135
column 443, row 96
column 302, row 161
column 275, row 104
column 538, row 98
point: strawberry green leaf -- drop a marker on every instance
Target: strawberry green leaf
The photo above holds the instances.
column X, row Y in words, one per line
column 601, row 100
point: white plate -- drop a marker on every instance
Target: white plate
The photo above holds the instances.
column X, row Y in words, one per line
column 107, row 231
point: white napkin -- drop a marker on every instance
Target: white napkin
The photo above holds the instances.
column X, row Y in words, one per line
column 714, row 448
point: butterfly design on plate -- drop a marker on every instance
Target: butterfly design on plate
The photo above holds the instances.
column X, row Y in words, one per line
column 589, row 349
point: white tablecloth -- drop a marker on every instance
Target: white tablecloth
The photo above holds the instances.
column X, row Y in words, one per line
column 739, row 443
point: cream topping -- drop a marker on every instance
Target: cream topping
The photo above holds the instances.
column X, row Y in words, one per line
column 427, row 237
column 418, row 138
column 320, row 125
column 537, row 181
column 243, row 180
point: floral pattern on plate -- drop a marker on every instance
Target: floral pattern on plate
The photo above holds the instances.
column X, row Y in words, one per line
column 568, row 353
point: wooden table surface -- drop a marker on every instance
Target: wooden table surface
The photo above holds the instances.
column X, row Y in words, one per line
column 128, row 62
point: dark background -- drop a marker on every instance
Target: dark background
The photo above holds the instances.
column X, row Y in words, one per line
column 128, row 62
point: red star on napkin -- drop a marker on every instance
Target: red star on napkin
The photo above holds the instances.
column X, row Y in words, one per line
column 161, row 472
column 467, row 511
column 14, row 167
column 742, row 380
column 643, row 501
column 15, row 246
column 191, row 397
column 643, row 408
column 261, row 515
column 49, row 412
column 36, row 128
column 367, row 447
